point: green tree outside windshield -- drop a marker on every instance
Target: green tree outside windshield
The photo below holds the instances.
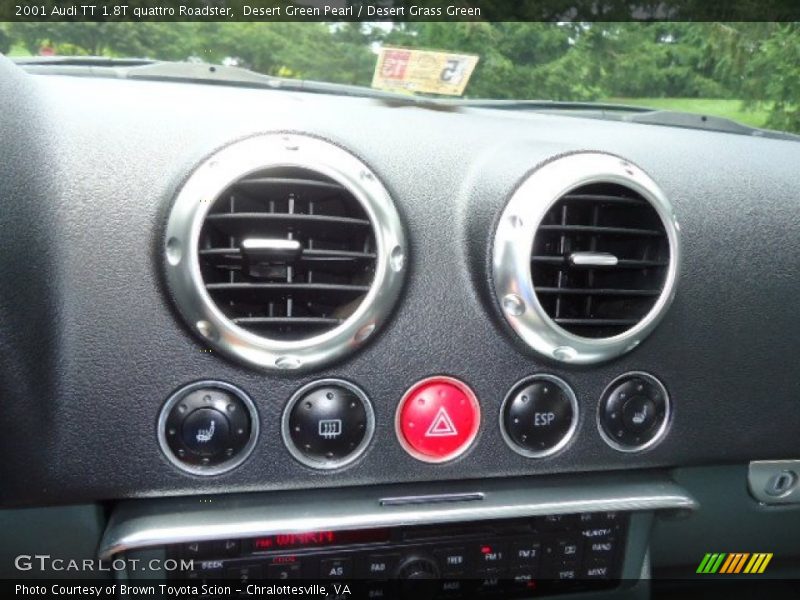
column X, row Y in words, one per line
column 745, row 71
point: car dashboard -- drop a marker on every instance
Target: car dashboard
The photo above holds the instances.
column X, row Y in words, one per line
column 241, row 325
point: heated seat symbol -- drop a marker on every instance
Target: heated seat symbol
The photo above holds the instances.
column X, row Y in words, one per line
column 330, row 428
column 639, row 417
column 205, row 435
column 442, row 425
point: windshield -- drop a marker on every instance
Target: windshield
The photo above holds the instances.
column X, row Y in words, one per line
column 746, row 72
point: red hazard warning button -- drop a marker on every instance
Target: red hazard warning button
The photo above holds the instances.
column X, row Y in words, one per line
column 437, row 420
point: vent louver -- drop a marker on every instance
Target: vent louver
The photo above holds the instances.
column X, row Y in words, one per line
column 284, row 251
column 585, row 258
column 600, row 259
column 287, row 253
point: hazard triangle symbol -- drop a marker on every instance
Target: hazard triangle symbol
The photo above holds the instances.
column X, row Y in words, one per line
column 442, row 425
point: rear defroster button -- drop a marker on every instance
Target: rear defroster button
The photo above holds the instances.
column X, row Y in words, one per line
column 438, row 419
column 328, row 424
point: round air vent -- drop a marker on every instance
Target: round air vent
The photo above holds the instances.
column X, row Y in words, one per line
column 284, row 251
column 585, row 258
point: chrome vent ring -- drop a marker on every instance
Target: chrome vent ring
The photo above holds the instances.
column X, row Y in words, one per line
column 585, row 258
column 284, row 251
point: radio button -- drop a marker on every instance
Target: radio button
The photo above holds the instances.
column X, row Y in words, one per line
column 568, row 550
column 491, row 584
column 215, row 566
column 452, row 561
column 525, row 553
column 378, row 591
column 336, row 568
column 565, row 572
column 198, row 549
column 600, row 548
column 555, row 522
column 228, row 548
column 523, row 581
column 452, row 588
column 491, row 556
column 245, row 574
column 596, row 570
column 381, row 566
column 523, row 577
column 291, row 570
column 561, row 551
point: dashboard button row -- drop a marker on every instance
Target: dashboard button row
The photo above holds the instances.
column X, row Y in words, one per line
column 209, row 427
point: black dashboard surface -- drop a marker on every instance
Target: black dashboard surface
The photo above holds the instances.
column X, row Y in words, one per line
column 91, row 346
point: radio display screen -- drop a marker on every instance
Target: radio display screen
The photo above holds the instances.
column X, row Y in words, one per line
column 317, row 539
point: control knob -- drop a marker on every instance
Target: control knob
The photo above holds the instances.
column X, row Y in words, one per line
column 418, row 567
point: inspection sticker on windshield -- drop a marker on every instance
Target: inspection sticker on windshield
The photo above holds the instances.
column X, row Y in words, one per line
column 425, row 71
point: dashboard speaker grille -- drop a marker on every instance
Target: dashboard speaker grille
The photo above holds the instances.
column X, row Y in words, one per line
column 599, row 260
column 287, row 253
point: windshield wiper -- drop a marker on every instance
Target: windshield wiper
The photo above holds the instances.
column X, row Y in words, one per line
column 634, row 114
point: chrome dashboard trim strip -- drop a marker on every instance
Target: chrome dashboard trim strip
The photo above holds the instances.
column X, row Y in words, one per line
column 137, row 524
column 431, row 499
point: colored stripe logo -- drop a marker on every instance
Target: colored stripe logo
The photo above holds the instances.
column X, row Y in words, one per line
column 734, row 563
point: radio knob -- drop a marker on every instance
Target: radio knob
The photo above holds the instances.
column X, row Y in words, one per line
column 418, row 567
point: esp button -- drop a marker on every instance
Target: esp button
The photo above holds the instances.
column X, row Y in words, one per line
column 437, row 419
column 539, row 416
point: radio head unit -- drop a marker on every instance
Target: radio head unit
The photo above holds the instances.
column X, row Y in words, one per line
column 509, row 537
column 554, row 553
